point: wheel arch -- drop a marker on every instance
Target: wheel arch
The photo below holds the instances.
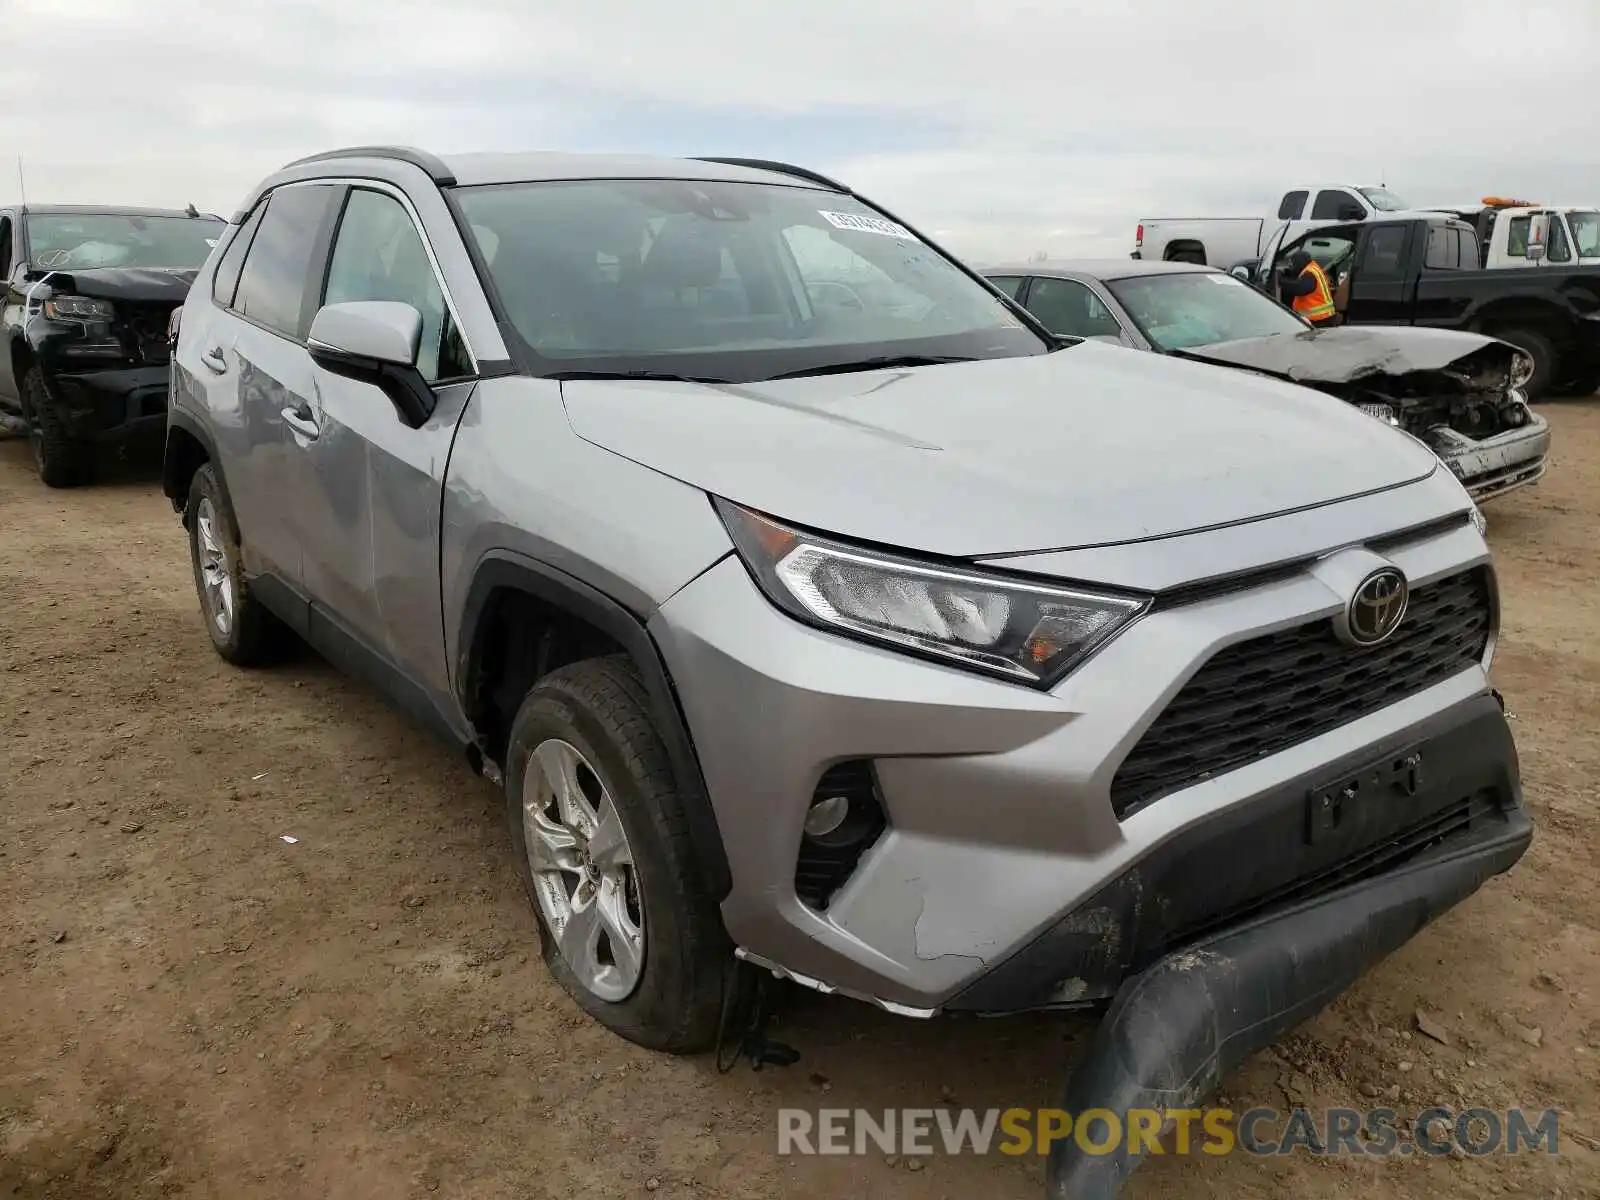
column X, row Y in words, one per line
column 1179, row 250
column 188, row 447
column 515, row 601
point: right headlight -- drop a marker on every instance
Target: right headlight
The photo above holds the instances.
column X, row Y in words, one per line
column 1017, row 629
column 1521, row 368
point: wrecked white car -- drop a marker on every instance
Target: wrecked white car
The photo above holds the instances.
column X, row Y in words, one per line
column 1459, row 393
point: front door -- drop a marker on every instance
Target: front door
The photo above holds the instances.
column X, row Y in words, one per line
column 1379, row 292
column 369, row 532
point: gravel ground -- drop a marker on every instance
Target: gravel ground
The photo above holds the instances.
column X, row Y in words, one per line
column 193, row 1006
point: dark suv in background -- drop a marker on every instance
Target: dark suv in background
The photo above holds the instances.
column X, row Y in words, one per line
column 88, row 295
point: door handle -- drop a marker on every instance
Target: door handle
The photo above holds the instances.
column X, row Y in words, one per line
column 213, row 358
column 301, row 421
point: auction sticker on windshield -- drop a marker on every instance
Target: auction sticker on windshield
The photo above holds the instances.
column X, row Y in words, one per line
column 863, row 224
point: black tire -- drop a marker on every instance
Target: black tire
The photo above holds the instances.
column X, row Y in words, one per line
column 253, row 637
column 1197, row 257
column 600, row 708
column 61, row 460
column 1546, row 361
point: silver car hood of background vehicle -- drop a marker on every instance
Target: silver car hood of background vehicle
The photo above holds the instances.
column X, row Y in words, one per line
column 1087, row 446
column 1346, row 353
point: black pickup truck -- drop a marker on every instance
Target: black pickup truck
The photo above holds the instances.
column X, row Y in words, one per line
column 1424, row 271
column 88, row 293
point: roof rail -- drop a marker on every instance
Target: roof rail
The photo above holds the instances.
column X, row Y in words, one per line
column 782, row 168
column 434, row 166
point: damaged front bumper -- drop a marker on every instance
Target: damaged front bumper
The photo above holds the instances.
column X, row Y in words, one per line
column 1494, row 466
column 110, row 405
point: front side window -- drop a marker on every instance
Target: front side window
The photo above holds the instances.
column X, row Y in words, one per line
column 378, row 255
column 1560, row 249
column 1385, row 251
column 1585, row 233
column 85, row 241
column 273, row 284
column 1009, row 284
column 1067, row 306
column 1179, row 311
column 720, row 280
column 1332, row 205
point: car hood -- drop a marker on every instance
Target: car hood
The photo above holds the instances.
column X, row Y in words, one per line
column 124, row 283
column 1345, row 354
column 1087, row 446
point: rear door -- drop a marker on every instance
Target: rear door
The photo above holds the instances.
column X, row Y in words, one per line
column 258, row 375
column 369, row 527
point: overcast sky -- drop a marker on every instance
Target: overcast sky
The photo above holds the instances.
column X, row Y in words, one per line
column 1001, row 128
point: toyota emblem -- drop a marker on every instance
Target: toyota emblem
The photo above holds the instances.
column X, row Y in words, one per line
column 1377, row 607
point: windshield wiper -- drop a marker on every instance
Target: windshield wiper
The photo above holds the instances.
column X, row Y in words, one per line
column 875, row 364
column 650, row 376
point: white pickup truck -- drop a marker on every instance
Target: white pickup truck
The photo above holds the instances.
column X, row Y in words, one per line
column 1226, row 241
column 1523, row 234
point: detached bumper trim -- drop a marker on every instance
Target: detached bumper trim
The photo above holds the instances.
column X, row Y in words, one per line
column 1173, row 1032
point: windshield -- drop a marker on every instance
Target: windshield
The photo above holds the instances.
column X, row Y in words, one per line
column 78, row 241
column 1202, row 308
column 1585, row 233
column 1384, row 201
column 726, row 281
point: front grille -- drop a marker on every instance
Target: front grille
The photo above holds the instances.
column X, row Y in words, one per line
column 144, row 325
column 1264, row 695
column 1435, row 830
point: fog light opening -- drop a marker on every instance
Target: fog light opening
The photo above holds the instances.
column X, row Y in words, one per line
column 826, row 816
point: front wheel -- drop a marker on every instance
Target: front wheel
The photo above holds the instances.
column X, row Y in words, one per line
column 626, row 924
column 62, row 460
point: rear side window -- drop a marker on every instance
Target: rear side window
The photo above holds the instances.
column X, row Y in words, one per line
column 226, row 281
column 1293, row 205
column 273, row 286
column 1517, row 237
column 1444, row 250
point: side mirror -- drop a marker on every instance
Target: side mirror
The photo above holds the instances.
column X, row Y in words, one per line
column 1538, row 236
column 1352, row 212
column 375, row 342
column 1240, row 272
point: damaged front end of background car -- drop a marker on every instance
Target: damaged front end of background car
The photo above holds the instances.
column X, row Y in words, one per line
column 1460, row 394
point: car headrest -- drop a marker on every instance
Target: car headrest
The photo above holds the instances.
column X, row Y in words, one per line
column 683, row 255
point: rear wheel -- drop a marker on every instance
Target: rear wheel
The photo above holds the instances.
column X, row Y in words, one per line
column 1545, row 359
column 61, row 460
column 1188, row 255
column 241, row 628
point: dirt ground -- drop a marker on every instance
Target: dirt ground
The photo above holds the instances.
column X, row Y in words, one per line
column 191, row 1005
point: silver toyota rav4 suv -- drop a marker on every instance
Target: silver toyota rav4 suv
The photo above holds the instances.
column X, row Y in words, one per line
column 816, row 607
